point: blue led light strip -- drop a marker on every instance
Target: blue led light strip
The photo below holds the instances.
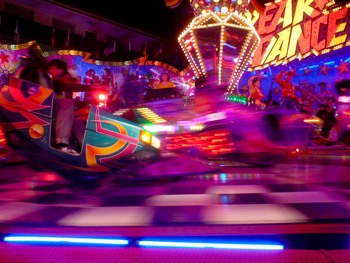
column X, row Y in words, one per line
column 208, row 245
column 144, row 243
column 105, row 241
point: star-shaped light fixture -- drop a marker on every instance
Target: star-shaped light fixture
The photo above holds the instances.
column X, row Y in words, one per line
column 3, row 57
column 293, row 71
column 245, row 88
column 324, row 69
column 343, row 67
column 307, row 71
column 219, row 41
column 276, row 90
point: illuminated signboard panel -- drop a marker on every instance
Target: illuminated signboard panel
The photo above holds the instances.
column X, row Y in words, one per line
column 291, row 29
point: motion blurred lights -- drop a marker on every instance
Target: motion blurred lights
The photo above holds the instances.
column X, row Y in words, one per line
column 151, row 243
column 150, row 115
column 219, row 42
column 160, row 128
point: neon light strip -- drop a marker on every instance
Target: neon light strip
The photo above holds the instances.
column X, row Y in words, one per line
column 66, row 240
column 106, row 241
column 209, row 245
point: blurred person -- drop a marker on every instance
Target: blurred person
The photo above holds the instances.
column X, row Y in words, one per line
column 131, row 92
column 165, row 82
column 89, row 77
column 327, row 112
column 324, row 93
column 255, row 93
column 108, row 80
column 190, row 93
column 64, row 105
column 153, row 82
column 112, row 89
column 308, row 99
column 36, row 69
column 343, row 106
column 312, row 97
column 289, row 99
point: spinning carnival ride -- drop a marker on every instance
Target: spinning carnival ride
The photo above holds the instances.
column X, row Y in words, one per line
column 220, row 41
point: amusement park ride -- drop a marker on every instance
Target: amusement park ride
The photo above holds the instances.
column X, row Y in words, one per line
column 219, row 44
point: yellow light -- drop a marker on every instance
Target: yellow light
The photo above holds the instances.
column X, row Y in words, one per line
column 149, row 139
column 155, row 142
column 145, row 137
column 312, row 120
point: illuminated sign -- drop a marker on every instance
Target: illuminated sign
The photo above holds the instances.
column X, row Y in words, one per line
column 291, row 29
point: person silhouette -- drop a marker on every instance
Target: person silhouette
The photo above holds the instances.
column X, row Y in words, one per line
column 63, row 106
column 255, row 94
column 289, row 99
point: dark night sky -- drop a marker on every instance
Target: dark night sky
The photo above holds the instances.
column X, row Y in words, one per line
column 152, row 16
